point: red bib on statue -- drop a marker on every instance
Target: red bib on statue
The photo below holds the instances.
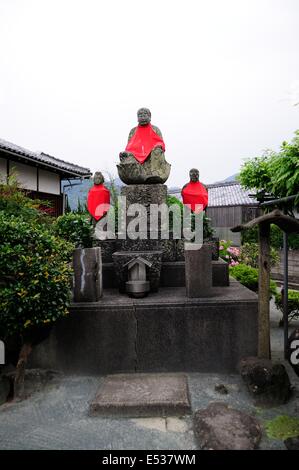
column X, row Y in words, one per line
column 195, row 194
column 143, row 142
column 98, row 201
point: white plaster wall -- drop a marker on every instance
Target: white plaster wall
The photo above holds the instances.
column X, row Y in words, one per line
column 48, row 182
column 25, row 174
column 3, row 170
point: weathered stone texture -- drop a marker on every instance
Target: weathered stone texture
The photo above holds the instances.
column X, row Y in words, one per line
column 266, row 381
column 219, row 427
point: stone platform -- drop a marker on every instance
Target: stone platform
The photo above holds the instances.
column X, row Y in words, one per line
column 173, row 274
column 135, row 395
column 164, row 332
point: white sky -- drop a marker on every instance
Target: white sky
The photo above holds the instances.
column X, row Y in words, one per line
column 220, row 77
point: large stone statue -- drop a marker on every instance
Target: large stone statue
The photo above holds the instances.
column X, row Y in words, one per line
column 194, row 194
column 143, row 161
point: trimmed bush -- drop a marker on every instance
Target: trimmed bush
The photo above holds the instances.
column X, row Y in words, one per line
column 248, row 276
column 75, row 228
column 293, row 303
column 35, row 280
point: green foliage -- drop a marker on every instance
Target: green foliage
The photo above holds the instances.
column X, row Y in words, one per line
column 35, row 275
column 81, row 208
column 229, row 253
column 207, row 227
column 248, row 276
column 276, row 237
column 293, row 303
column 15, row 202
column 282, row 427
column 274, row 173
column 255, row 174
column 67, row 209
column 75, row 228
column 249, row 254
column 208, row 231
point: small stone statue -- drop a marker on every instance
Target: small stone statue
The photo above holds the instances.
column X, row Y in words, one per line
column 194, row 193
column 98, row 199
column 143, row 161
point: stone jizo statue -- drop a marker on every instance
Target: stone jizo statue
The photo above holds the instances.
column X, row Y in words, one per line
column 98, row 199
column 143, row 160
column 194, row 193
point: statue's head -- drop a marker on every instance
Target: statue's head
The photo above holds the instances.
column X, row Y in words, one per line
column 98, row 178
column 194, row 175
column 144, row 116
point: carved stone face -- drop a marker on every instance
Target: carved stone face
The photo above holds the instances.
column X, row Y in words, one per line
column 194, row 175
column 143, row 116
column 98, row 178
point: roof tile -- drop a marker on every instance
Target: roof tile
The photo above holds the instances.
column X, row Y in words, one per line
column 45, row 158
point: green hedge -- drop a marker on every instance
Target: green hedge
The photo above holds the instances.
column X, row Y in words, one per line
column 293, row 303
column 75, row 228
column 35, row 275
column 251, row 236
column 248, row 276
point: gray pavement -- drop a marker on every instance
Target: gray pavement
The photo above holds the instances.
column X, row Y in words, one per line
column 56, row 416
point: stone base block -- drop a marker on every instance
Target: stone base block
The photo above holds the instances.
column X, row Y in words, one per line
column 173, row 274
column 164, row 332
column 135, row 395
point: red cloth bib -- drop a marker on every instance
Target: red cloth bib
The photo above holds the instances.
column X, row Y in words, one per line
column 98, row 201
column 195, row 193
column 143, row 142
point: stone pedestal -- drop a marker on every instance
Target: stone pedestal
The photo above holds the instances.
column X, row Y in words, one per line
column 198, row 269
column 87, row 264
column 145, row 195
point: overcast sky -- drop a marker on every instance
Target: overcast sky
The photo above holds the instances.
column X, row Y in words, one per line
column 220, row 77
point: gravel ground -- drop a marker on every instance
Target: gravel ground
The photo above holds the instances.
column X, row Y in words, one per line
column 56, row 416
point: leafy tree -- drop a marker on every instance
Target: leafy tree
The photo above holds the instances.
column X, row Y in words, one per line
column 14, row 201
column 276, row 237
column 275, row 173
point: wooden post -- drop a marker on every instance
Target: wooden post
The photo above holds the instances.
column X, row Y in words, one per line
column 264, row 350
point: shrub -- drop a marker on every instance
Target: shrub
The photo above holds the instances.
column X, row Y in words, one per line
column 276, row 237
column 250, row 252
column 14, row 201
column 35, row 278
column 248, row 276
column 293, row 303
column 207, row 227
column 229, row 253
column 75, row 228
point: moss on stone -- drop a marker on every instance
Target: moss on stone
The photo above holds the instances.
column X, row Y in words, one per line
column 282, row 427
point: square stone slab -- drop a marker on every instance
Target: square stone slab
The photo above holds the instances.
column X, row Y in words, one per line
column 133, row 395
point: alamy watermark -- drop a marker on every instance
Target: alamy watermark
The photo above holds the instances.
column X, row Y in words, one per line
column 155, row 221
column 294, row 357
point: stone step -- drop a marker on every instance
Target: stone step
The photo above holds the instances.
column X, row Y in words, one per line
column 146, row 395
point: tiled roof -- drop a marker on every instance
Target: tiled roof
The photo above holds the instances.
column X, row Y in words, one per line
column 229, row 194
column 47, row 160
